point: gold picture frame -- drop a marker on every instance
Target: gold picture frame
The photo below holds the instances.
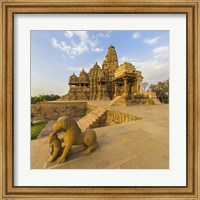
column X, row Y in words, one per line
column 9, row 8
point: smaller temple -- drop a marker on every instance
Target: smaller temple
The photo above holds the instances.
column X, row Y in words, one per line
column 128, row 82
column 79, row 86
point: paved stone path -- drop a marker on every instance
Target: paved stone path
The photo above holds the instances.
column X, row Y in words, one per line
column 141, row 144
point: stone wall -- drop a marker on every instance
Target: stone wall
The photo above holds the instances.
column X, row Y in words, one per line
column 112, row 116
column 116, row 117
column 50, row 110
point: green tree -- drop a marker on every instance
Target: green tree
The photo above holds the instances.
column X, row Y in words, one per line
column 43, row 97
column 162, row 90
column 144, row 86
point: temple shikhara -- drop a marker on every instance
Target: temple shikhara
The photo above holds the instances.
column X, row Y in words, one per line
column 109, row 82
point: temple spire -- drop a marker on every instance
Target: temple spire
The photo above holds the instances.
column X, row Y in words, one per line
column 110, row 63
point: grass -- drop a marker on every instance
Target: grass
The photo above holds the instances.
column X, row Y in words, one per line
column 36, row 128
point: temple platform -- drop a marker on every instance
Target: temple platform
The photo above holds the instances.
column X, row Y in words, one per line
column 140, row 144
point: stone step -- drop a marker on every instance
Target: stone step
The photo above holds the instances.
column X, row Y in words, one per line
column 156, row 101
column 85, row 122
column 101, row 108
column 96, row 114
column 83, row 127
column 88, row 121
column 115, row 100
column 90, row 116
column 80, row 125
column 93, row 116
column 91, row 119
column 98, row 111
column 84, row 119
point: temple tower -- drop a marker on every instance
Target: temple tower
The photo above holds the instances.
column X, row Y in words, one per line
column 97, row 83
column 73, row 87
column 83, row 87
column 109, row 66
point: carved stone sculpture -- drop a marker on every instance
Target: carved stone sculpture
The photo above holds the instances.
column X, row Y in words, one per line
column 73, row 136
column 55, row 145
column 97, row 83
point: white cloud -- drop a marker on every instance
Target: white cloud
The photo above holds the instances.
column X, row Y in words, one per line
column 155, row 69
column 99, row 62
column 161, row 50
column 85, row 38
column 123, row 59
column 72, row 50
column 69, row 34
column 78, row 42
column 151, row 41
column 136, row 35
column 126, row 59
column 107, row 35
column 55, row 43
column 98, row 49
column 104, row 34
column 78, row 69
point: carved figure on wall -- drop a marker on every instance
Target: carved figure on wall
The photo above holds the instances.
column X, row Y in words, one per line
column 73, row 136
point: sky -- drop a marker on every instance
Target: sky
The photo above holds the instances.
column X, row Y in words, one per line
column 55, row 55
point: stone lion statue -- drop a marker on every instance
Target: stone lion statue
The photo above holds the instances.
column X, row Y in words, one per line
column 73, row 136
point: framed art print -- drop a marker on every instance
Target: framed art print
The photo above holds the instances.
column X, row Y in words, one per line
column 99, row 100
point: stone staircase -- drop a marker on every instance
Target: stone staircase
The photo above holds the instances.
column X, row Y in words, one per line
column 93, row 119
column 115, row 100
column 121, row 101
column 153, row 98
column 156, row 101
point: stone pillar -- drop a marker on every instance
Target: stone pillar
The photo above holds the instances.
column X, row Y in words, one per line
column 138, row 87
column 125, row 87
column 141, row 87
column 134, row 88
column 116, row 88
column 91, row 89
column 99, row 91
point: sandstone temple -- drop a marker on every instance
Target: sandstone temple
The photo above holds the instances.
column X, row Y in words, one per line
column 109, row 82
